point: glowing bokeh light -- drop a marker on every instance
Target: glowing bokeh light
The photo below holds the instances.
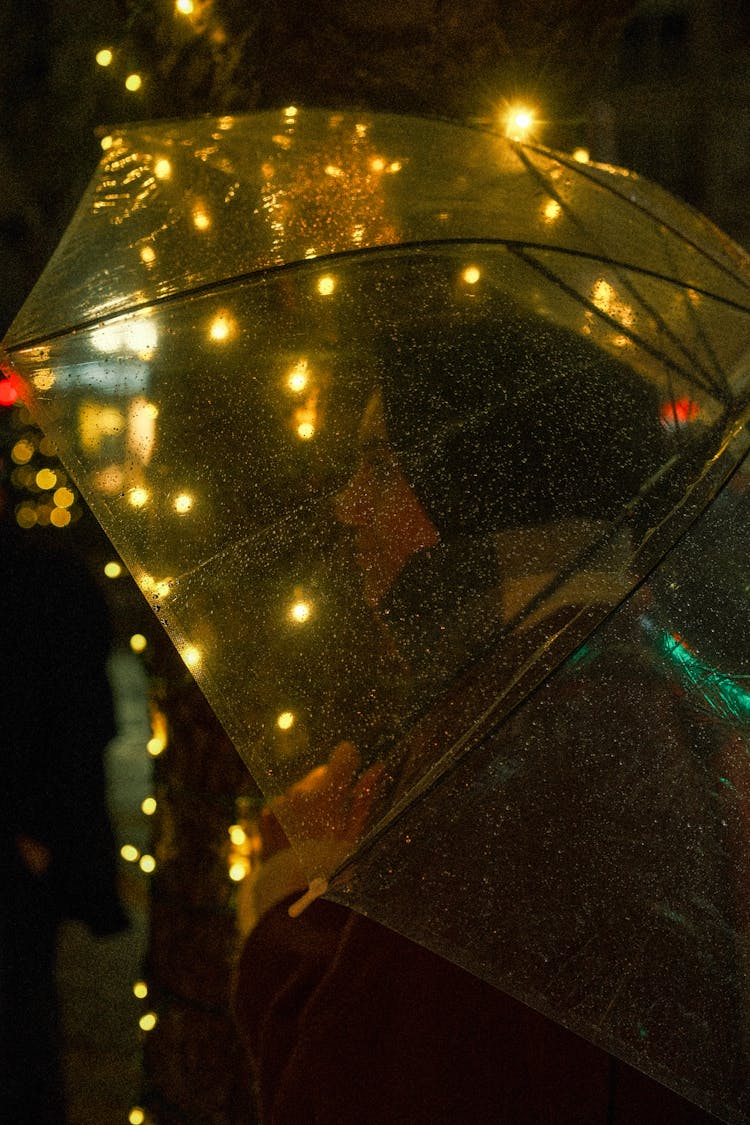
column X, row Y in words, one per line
column 163, row 169
column 221, row 327
column 129, row 853
column 136, row 1116
column 148, row 806
column 300, row 611
column 140, row 989
column 471, row 275
column 64, row 497
column 183, row 503
column 326, row 285
column 148, row 1021
column 46, row 479
column 285, row 720
column 138, row 497
column 138, row 643
column 191, row 656
column 133, row 82
column 113, row 569
column 60, row 517
column 104, row 57
column 237, row 871
column 519, row 123
column 237, row 835
column 147, row 864
column 298, row 377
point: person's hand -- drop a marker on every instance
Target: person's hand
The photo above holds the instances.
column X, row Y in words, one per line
column 330, row 804
column 326, row 813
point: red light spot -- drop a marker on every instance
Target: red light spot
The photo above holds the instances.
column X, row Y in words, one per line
column 679, row 411
column 8, row 393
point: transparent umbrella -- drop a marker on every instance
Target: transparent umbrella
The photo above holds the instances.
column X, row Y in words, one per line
column 428, row 442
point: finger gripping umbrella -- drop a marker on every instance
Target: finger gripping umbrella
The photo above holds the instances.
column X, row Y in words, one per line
column 430, row 446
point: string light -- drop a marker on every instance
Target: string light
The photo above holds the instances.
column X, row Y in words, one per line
column 183, row 503
column 140, row 989
column 191, row 656
column 147, row 863
column 46, row 479
column 471, row 275
column 285, row 720
column 136, row 1116
column 104, row 57
column 184, row 7
column 300, row 611
column 133, row 83
column 130, row 853
column 582, row 155
column 138, row 643
column 137, row 497
column 148, row 1021
column 326, row 285
column 298, row 377
column 148, row 806
column 519, row 123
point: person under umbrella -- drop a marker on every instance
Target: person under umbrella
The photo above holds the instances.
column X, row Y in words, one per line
column 505, row 515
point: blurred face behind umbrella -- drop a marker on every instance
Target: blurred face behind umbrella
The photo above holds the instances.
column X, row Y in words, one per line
column 390, row 523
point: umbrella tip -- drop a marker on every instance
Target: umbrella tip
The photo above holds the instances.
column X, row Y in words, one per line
column 316, row 888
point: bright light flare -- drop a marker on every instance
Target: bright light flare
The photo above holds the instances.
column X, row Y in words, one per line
column 520, row 123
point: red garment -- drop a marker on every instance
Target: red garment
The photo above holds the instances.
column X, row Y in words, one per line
column 347, row 1022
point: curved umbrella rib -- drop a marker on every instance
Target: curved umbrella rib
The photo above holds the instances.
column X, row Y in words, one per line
column 626, row 280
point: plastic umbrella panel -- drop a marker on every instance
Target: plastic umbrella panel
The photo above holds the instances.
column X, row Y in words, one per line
column 386, row 417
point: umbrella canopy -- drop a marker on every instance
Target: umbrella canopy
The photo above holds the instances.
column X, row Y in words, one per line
column 415, row 437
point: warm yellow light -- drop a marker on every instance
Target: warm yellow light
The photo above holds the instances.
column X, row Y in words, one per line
column 305, row 431
column 519, row 123
column 148, row 1021
column 156, row 746
column 377, row 164
column 285, row 720
column 148, row 806
column 551, row 210
column 129, row 853
column 333, row 170
column 298, row 377
column 60, row 517
column 471, row 275
column 136, row 1116
column 191, row 656
column 237, row 835
column 395, row 166
column 147, row 863
column 201, row 219
column 148, row 255
column 64, row 497
column 133, row 82
column 184, row 7
column 138, row 642
column 300, row 612
column 26, row 516
column 44, row 380
column 183, row 503
column 107, row 142
column 238, row 871
column 326, row 285
column 162, row 169
column 140, row 989
column 104, row 57
column 113, row 569
column 137, row 497
column 22, row 452
column 291, row 111
column 46, row 479
column 221, row 327
column 582, row 155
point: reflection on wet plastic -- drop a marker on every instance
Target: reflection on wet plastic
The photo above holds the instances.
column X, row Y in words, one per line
column 392, row 422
